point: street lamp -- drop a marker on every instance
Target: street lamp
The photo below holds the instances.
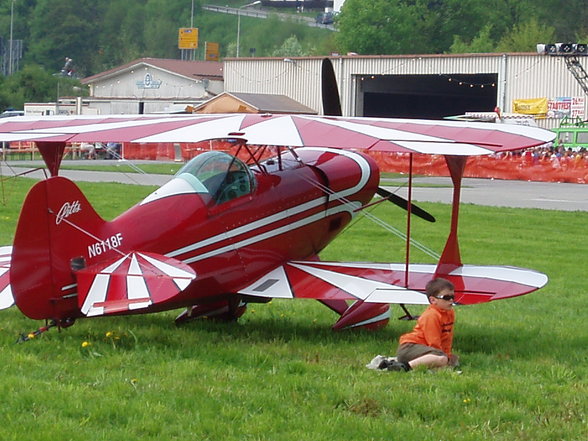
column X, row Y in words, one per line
column 239, row 22
column 10, row 45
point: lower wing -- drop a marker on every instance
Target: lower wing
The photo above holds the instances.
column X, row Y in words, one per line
column 385, row 283
column 6, row 299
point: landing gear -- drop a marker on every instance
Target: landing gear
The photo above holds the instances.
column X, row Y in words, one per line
column 65, row 323
column 407, row 315
column 225, row 310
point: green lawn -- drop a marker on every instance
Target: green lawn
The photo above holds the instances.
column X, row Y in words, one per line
column 280, row 373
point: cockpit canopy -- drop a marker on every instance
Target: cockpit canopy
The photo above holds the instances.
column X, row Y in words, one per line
column 219, row 174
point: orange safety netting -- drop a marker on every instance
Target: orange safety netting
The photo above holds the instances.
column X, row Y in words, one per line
column 508, row 166
column 512, row 167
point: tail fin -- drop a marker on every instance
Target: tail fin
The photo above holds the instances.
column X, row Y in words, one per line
column 57, row 224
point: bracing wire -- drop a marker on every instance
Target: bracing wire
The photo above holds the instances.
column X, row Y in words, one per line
column 376, row 219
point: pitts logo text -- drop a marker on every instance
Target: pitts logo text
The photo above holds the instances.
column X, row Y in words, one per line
column 67, row 210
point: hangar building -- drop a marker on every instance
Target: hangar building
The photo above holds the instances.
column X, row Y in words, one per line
column 538, row 89
column 423, row 86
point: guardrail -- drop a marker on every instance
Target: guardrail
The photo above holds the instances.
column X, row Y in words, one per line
column 259, row 13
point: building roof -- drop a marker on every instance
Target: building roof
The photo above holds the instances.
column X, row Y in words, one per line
column 212, row 70
column 229, row 102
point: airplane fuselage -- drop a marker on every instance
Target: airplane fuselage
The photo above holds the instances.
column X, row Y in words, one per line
column 287, row 209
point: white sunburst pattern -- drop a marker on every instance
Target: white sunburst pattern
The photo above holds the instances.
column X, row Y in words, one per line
column 135, row 281
column 382, row 282
column 377, row 134
column 6, row 298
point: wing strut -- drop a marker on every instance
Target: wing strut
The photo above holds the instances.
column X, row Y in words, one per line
column 52, row 153
column 451, row 258
column 409, row 210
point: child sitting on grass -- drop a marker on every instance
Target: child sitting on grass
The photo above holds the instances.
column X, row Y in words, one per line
column 429, row 343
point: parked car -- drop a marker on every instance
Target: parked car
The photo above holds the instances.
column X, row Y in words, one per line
column 325, row 18
column 11, row 112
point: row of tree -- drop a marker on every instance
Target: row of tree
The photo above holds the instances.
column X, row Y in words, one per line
column 101, row 34
column 458, row 26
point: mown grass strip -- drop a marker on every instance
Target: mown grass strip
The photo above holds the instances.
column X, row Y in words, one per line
column 280, row 373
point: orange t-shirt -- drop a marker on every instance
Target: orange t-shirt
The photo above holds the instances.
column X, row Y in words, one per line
column 434, row 328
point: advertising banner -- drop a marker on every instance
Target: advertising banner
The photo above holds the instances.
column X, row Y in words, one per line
column 565, row 106
column 530, row 106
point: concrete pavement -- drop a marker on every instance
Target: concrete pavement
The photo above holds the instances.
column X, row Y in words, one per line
column 501, row 193
column 498, row 193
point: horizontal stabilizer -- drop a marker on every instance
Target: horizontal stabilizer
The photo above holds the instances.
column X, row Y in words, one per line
column 6, row 299
column 383, row 282
column 135, row 281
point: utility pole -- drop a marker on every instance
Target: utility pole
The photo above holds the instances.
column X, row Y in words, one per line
column 10, row 45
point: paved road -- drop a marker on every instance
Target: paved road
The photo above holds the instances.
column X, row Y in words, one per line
column 260, row 13
column 16, row 167
column 498, row 193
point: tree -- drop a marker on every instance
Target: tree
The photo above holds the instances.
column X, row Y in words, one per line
column 65, row 28
column 525, row 36
column 481, row 43
column 569, row 19
column 120, row 39
column 377, row 27
column 440, row 21
column 163, row 18
column 31, row 84
column 290, row 48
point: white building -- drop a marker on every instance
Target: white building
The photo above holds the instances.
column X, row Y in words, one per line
column 153, row 85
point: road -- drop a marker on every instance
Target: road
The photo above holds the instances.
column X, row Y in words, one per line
column 497, row 193
column 17, row 167
column 260, row 13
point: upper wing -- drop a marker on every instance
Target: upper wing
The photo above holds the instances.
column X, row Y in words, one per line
column 375, row 134
column 383, row 282
column 133, row 282
column 6, row 299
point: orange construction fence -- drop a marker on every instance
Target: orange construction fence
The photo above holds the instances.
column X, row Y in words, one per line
column 526, row 166
column 573, row 169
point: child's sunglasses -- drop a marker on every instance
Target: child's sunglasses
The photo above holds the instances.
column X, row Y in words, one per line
column 447, row 297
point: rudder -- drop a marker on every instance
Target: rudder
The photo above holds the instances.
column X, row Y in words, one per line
column 57, row 224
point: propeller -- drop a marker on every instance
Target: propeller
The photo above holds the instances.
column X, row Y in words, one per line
column 403, row 203
column 332, row 107
column 330, row 93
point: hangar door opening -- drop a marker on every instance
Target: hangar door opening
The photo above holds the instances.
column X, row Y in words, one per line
column 426, row 96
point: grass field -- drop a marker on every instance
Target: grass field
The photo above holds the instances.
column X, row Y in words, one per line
column 280, row 373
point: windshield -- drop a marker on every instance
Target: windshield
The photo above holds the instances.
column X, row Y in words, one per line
column 221, row 175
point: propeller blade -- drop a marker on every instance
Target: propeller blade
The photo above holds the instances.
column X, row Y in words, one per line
column 330, row 93
column 403, row 203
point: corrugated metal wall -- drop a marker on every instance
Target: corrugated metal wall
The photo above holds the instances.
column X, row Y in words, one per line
column 520, row 76
column 297, row 78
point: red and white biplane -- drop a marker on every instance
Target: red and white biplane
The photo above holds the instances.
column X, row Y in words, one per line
column 225, row 232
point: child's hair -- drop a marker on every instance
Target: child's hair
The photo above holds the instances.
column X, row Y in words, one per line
column 435, row 286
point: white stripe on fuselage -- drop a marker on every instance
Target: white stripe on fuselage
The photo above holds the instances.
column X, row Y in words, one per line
column 275, row 232
column 292, row 211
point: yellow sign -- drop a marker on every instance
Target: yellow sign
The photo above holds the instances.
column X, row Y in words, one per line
column 212, row 51
column 530, row 106
column 188, row 38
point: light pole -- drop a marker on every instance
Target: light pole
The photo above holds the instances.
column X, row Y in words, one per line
column 239, row 22
column 10, row 45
